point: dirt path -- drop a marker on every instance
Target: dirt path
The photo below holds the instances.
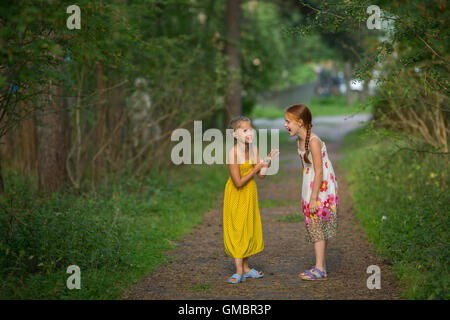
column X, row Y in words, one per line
column 200, row 267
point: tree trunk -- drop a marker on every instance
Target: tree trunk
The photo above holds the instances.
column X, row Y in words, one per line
column 28, row 139
column 348, row 79
column 365, row 92
column 100, row 131
column 7, row 149
column 233, row 103
column 115, row 113
column 2, row 184
column 53, row 141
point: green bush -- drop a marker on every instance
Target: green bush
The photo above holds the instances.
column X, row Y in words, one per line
column 115, row 237
column 401, row 199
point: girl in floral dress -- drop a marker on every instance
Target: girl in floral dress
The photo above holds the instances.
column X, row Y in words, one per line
column 319, row 188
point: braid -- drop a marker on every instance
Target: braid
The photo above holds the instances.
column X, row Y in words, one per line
column 308, row 135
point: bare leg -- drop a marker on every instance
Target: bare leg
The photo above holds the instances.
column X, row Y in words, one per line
column 238, row 262
column 246, row 267
column 319, row 248
column 239, row 265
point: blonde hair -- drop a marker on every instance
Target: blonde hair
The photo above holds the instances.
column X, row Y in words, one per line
column 234, row 124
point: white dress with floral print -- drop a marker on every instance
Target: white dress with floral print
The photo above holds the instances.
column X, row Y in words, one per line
column 323, row 224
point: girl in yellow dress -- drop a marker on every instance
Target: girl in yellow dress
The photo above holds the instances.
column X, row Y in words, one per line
column 242, row 230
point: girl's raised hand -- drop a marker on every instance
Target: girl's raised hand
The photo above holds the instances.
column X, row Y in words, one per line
column 272, row 155
column 259, row 166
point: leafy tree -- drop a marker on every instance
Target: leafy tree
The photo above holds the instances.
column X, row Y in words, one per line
column 408, row 57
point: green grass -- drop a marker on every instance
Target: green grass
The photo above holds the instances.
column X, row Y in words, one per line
column 410, row 191
column 199, row 287
column 270, row 112
column 270, row 203
column 334, row 106
column 115, row 237
column 291, row 218
column 319, row 107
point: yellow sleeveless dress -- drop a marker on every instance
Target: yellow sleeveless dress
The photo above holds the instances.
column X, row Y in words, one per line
column 242, row 230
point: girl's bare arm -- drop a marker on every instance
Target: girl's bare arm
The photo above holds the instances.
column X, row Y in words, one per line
column 260, row 174
column 235, row 173
column 298, row 148
column 315, row 147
